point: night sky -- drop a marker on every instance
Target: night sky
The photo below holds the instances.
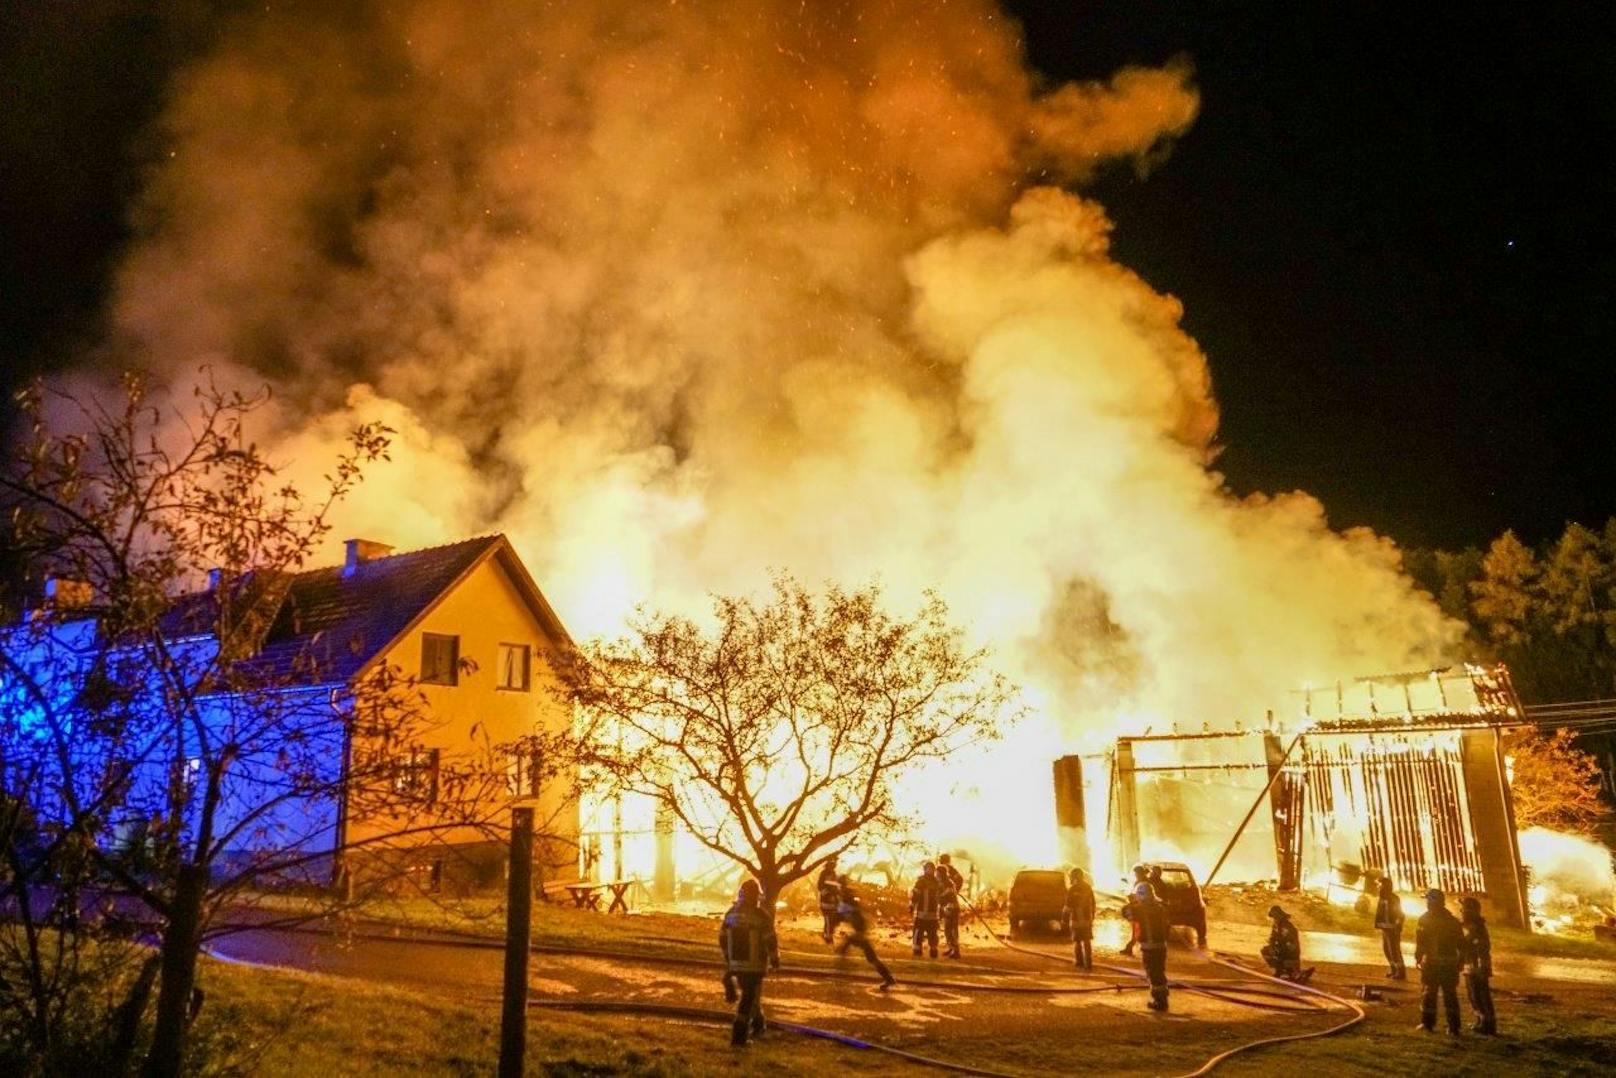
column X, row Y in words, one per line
column 1393, row 231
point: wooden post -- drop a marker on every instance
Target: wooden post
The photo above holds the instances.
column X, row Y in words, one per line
column 1492, row 821
column 518, row 935
column 1284, row 805
column 1070, row 822
column 1127, row 806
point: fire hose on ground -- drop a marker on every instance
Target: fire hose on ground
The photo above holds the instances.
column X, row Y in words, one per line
column 1225, row 992
column 1357, row 1013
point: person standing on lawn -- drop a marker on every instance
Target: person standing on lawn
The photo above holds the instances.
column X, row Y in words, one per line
column 830, row 897
column 948, row 904
column 851, row 914
column 1389, row 922
column 1439, row 945
column 1152, row 920
column 953, row 890
column 925, row 907
column 1478, row 966
column 1080, row 917
column 750, row 948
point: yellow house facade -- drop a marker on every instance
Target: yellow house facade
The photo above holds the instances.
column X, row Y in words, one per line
column 464, row 628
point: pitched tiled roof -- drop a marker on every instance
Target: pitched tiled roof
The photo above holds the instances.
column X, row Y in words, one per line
column 329, row 625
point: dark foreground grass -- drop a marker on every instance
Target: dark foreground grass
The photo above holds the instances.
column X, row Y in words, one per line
column 275, row 1022
column 1574, row 1033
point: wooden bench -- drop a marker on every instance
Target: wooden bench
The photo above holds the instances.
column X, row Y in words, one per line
column 587, row 896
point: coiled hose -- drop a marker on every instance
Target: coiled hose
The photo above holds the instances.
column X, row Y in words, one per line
column 1358, row 1015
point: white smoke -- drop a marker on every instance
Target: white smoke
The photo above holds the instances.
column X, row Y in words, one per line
column 676, row 294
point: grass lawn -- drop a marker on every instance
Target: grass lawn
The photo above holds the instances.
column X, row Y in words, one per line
column 273, row 1022
column 268, row 1022
column 1572, row 1034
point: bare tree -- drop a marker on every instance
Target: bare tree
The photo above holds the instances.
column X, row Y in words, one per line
column 159, row 767
column 778, row 734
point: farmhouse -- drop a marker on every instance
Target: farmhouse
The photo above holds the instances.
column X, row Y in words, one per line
column 460, row 630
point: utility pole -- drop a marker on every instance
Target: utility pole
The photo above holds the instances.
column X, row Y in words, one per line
column 518, row 935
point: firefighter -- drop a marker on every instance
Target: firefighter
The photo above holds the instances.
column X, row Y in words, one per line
column 851, row 914
column 830, row 896
column 1439, row 946
column 948, row 903
column 1478, row 966
column 1141, row 887
column 1389, row 920
column 951, row 909
column 1152, row 921
column 1079, row 915
column 748, row 942
column 1283, row 952
column 926, row 906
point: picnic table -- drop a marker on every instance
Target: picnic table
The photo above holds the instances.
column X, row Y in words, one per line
column 587, row 895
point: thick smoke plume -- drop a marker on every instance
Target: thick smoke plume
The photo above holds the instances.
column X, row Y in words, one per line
column 677, row 293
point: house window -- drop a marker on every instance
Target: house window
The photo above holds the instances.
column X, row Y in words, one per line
column 440, row 659
column 522, row 773
column 514, row 663
column 417, row 775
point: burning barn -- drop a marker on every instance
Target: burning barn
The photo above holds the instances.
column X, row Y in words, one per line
column 1398, row 776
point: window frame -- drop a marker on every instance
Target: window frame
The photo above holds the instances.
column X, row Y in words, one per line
column 452, row 676
column 526, row 651
column 523, row 769
column 417, row 774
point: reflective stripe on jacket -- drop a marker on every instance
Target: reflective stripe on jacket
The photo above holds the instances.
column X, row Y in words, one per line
column 924, row 900
column 830, row 893
column 748, row 940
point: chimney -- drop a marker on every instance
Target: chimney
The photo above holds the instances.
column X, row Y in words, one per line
column 65, row 593
column 361, row 551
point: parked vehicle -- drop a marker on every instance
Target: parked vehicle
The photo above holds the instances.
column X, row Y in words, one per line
column 1181, row 895
column 1037, row 898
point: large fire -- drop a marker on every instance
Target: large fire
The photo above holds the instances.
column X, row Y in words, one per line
column 674, row 294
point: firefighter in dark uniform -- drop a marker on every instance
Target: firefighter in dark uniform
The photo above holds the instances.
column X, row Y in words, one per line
column 948, row 906
column 1478, row 966
column 1152, row 921
column 851, row 914
column 1283, row 952
column 1079, row 914
column 1389, row 921
column 1439, row 946
column 953, row 888
column 830, row 897
column 926, row 907
column 750, row 948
